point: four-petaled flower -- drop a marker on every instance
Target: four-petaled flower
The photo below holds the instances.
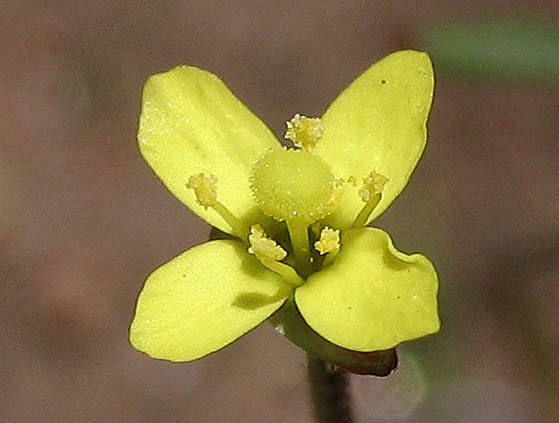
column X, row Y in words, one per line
column 297, row 216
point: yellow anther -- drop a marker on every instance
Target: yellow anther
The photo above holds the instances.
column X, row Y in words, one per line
column 329, row 241
column 256, row 233
column 205, row 189
column 372, row 184
column 305, row 132
column 262, row 247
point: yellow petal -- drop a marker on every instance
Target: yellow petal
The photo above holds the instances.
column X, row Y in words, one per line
column 191, row 123
column 203, row 300
column 372, row 297
column 378, row 123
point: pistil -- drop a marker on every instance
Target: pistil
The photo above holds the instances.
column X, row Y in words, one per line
column 299, row 236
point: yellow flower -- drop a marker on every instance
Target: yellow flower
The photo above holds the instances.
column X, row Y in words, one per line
column 297, row 216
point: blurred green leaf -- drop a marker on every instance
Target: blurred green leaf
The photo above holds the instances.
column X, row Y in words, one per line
column 505, row 49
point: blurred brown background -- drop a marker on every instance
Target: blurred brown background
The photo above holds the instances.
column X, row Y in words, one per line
column 83, row 220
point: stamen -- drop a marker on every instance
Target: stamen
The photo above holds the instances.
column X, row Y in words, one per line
column 329, row 244
column 305, row 132
column 372, row 184
column 329, row 241
column 370, row 193
column 269, row 253
column 205, row 188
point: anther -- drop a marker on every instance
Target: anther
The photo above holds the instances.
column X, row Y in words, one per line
column 329, row 244
column 372, row 184
column 329, row 241
column 264, row 248
column 205, row 189
column 305, row 132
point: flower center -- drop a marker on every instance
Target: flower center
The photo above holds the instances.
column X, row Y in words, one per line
column 293, row 185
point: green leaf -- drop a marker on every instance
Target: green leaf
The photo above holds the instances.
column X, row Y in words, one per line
column 191, row 123
column 203, row 300
column 378, row 123
column 501, row 49
column 372, row 297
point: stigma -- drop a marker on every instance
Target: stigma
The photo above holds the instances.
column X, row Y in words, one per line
column 293, row 185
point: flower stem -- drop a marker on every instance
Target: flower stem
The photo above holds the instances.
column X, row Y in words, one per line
column 330, row 395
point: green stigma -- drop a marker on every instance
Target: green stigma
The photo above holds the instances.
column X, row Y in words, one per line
column 293, row 185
